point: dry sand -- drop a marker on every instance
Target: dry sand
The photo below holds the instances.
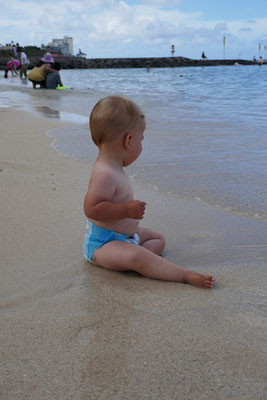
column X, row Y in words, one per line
column 70, row 330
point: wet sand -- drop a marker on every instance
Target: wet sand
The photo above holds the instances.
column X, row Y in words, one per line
column 71, row 330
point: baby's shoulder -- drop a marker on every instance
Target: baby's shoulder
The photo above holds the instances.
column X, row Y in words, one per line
column 103, row 169
column 104, row 173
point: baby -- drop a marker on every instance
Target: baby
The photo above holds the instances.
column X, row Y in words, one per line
column 114, row 239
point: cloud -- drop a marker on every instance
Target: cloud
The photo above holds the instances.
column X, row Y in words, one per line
column 140, row 22
column 120, row 27
column 162, row 2
column 245, row 30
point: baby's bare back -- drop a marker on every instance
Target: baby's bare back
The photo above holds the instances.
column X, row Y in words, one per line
column 111, row 184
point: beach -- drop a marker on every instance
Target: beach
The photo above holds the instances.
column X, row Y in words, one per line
column 71, row 330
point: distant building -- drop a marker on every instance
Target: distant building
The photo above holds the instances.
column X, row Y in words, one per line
column 65, row 45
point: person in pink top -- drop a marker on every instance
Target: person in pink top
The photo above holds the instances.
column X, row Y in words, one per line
column 12, row 65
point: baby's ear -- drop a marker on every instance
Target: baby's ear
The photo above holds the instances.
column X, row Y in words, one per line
column 127, row 141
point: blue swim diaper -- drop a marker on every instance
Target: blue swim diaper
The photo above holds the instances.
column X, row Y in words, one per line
column 96, row 237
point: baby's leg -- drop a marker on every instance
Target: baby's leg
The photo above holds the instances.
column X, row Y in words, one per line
column 151, row 240
column 123, row 256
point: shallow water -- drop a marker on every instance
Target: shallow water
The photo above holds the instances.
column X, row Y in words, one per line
column 206, row 127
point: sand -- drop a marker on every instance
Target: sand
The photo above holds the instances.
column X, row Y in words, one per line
column 71, row 330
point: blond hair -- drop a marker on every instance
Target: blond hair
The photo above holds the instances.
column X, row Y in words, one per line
column 112, row 116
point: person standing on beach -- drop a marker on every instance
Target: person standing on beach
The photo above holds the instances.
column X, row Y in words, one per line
column 114, row 239
column 14, row 48
column 24, row 63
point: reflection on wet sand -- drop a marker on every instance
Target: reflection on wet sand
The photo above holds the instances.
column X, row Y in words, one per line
column 65, row 116
column 47, row 111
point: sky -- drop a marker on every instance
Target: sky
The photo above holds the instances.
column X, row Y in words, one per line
column 140, row 28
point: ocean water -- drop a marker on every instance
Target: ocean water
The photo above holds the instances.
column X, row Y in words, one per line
column 206, row 134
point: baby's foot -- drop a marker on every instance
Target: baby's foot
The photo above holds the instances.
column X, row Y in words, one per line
column 195, row 279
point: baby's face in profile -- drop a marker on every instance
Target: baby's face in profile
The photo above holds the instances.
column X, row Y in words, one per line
column 137, row 137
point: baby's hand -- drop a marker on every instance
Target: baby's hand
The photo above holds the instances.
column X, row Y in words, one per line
column 136, row 209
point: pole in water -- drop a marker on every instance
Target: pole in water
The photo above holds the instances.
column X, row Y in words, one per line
column 224, row 40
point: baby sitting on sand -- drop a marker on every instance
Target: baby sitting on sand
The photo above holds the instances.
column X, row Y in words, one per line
column 114, row 239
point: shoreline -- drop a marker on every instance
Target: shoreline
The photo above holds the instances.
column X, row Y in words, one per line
column 35, row 102
column 73, row 330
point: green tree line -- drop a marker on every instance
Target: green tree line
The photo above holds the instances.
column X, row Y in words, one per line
column 29, row 50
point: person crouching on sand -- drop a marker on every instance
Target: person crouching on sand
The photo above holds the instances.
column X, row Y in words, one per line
column 38, row 74
column 53, row 79
column 113, row 239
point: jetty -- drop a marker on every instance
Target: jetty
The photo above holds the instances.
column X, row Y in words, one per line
column 142, row 62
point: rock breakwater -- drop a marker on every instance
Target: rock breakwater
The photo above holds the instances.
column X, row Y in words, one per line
column 143, row 62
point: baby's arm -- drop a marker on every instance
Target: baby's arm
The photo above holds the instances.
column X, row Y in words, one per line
column 99, row 206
